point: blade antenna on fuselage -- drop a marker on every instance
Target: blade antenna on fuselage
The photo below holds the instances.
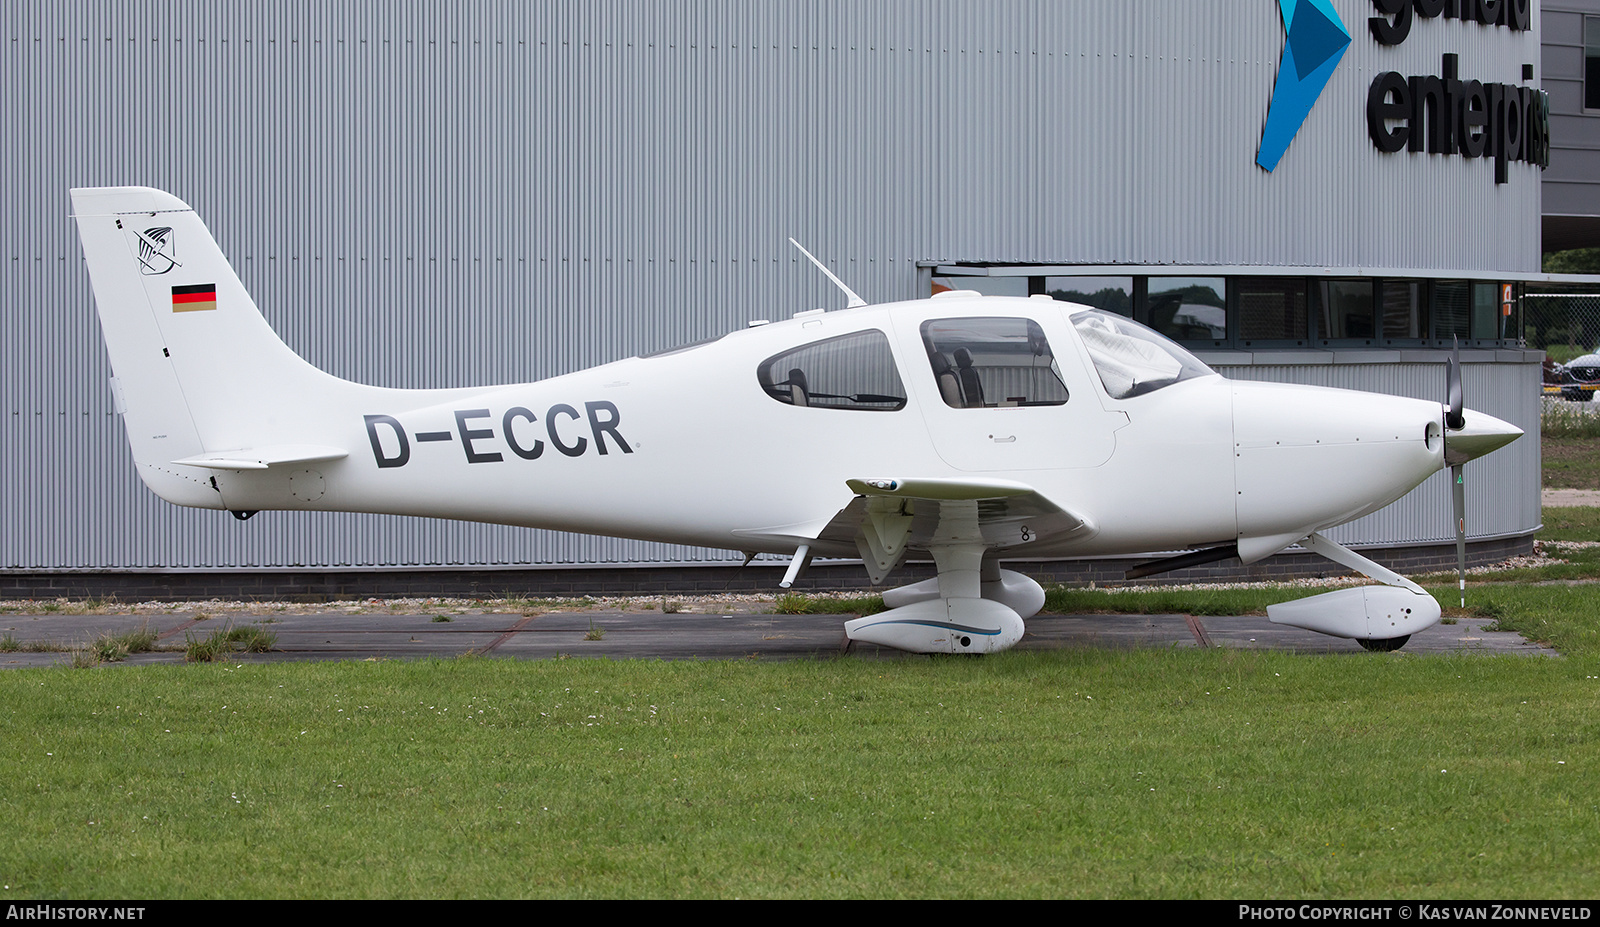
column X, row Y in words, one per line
column 852, row 299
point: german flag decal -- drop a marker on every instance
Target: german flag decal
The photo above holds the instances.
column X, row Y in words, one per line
column 194, row 298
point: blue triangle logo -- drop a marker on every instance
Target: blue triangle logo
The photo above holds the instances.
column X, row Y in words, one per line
column 1314, row 41
column 1315, row 38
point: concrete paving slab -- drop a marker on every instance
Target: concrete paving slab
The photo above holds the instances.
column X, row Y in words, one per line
column 1053, row 632
column 687, row 636
column 82, row 628
column 1467, row 635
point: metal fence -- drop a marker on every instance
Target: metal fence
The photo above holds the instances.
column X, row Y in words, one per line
column 1563, row 325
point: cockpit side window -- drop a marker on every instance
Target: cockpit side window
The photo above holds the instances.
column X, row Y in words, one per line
column 1131, row 359
column 986, row 363
column 854, row 371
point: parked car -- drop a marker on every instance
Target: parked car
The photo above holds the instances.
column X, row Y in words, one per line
column 1580, row 378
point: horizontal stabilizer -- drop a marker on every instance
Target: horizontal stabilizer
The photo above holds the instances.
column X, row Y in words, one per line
column 260, row 458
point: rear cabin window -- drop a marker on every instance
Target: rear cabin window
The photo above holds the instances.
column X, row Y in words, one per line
column 854, row 371
column 988, row 363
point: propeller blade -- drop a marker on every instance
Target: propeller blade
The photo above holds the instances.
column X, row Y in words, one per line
column 1455, row 394
column 1459, row 497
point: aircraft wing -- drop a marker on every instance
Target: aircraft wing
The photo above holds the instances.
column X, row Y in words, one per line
column 891, row 516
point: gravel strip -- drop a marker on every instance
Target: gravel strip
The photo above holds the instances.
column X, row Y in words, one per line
column 728, row 602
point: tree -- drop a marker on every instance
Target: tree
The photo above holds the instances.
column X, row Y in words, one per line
column 1577, row 261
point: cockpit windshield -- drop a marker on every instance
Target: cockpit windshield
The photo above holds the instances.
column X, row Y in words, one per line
column 1131, row 359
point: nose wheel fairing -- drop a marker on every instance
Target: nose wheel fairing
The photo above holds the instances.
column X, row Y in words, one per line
column 1391, row 612
column 1361, row 613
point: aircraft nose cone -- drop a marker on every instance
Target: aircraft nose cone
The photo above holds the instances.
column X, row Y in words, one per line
column 1480, row 435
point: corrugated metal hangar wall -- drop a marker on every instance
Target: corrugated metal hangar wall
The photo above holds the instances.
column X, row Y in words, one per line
column 426, row 195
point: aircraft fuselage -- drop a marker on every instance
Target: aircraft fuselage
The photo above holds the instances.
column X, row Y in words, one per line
column 1202, row 461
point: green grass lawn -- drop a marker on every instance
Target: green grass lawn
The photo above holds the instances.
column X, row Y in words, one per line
column 1074, row 774
column 1571, row 463
column 1569, row 441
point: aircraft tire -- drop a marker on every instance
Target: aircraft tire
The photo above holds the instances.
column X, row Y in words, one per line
column 1383, row 644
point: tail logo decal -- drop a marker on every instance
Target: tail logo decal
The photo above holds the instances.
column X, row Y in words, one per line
column 157, row 252
column 194, row 298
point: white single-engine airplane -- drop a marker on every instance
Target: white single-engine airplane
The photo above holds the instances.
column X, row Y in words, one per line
column 963, row 427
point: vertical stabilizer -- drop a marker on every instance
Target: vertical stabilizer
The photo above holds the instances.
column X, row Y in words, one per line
column 196, row 368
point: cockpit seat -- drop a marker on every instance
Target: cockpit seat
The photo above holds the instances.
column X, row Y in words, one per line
column 971, row 383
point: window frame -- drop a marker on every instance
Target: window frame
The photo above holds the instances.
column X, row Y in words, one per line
column 1590, row 37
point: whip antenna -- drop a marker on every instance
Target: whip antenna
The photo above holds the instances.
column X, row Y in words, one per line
column 852, row 300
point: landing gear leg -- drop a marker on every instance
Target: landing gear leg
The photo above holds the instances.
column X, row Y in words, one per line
column 1012, row 589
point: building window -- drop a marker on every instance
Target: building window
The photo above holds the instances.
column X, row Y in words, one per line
column 1345, row 310
column 1112, row 294
column 1274, row 313
column 1405, row 312
column 1485, row 311
column 849, row 372
column 987, row 286
column 1591, row 62
column 1452, row 310
column 1272, row 309
column 1511, row 296
column 1189, row 308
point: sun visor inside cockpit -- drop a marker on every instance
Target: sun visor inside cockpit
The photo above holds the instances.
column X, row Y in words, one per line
column 1132, row 359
